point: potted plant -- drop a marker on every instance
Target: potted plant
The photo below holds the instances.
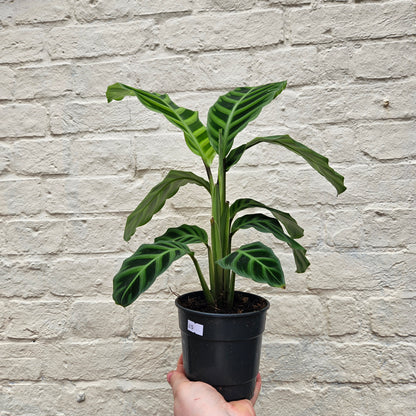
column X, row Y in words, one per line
column 221, row 328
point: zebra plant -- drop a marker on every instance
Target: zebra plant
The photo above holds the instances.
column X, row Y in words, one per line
column 226, row 118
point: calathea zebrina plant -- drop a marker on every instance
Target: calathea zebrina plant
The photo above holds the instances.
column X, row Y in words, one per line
column 226, row 118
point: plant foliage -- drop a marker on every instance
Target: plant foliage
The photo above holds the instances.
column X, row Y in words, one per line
column 230, row 114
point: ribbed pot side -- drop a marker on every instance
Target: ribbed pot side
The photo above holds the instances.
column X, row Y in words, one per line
column 222, row 350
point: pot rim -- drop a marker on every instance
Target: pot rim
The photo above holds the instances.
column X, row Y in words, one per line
column 222, row 315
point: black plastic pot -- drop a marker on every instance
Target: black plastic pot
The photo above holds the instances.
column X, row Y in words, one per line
column 222, row 350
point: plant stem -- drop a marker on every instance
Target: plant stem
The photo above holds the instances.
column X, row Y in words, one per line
column 230, row 297
column 205, row 288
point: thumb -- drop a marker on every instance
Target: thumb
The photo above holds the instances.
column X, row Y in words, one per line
column 175, row 379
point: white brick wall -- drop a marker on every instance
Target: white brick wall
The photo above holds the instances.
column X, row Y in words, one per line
column 341, row 339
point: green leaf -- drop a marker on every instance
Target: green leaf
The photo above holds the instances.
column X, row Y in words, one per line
column 317, row 161
column 185, row 234
column 292, row 227
column 266, row 224
column 156, row 198
column 234, row 110
column 139, row 271
column 257, row 262
column 196, row 135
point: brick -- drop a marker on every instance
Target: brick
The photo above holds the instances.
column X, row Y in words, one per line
column 348, row 271
column 146, row 7
column 383, row 60
column 384, row 228
column 379, row 140
column 328, row 105
column 94, row 235
column 283, row 361
column 177, row 73
column 332, row 363
column 19, row 361
column 99, row 271
column 290, row 2
column 209, row 70
column 24, row 278
column 37, row 320
column 298, row 66
column 25, row 12
column 34, row 236
column 148, row 322
column 362, row 271
column 344, row 228
column 23, row 45
column 41, row 157
column 391, row 182
column 43, row 81
column 296, row 315
column 2, row 237
column 74, row 195
column 20, row 197
column 87, row 11
column 397, row 400
column 20, row 369
column 332, row 143
column 94, row 360
column 92, row 41
column 32, row 120
column 288, row 400
column 7, row 83
column 225, row 5
column 92, row 79
column 391, row 316
column 3, row 317
column 219, row 32
column 102, row 156
column 176, row 154
column 20, row 397
column 397, row 364
column 334, row 63
column 4, row 157
column 98, row 319
column 307, row 187
column 341, row 22
column 74, row 117
column 343, row 316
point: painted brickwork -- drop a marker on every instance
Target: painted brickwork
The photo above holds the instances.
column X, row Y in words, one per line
column 341, row 337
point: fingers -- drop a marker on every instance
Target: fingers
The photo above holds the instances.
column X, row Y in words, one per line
column 179, row 366
column 256, row 389
column 175, row 378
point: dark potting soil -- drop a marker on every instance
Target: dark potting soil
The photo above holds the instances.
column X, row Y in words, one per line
column 243, row 303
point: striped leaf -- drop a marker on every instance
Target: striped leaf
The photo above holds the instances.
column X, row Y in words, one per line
column 196, row 135
column 255, row 261
column 234, row 110
column 266, row 224
column 156, row 198
column 185, row 234
column 139, row 271
column 317, row 161
column 292, row 227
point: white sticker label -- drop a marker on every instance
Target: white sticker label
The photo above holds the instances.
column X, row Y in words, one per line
column 195, row 328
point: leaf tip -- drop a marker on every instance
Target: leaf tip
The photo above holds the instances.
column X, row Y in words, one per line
column 341, row 189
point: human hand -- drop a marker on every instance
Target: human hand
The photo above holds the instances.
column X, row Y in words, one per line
column 194, row 398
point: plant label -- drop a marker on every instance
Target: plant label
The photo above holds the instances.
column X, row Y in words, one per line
column 197, row 329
